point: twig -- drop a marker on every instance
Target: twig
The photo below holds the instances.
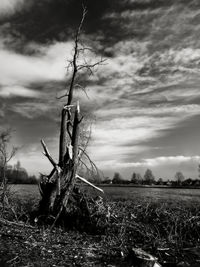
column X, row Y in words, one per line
column 91, row 162
column 12, row 260
column 9, row 223
column 89, row 67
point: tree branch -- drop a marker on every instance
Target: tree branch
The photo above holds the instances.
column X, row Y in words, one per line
column 87, row 182
column 47, row 154
column 12, row 154
column 91, row 162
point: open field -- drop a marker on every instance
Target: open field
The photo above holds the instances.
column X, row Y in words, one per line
column 162, row 194
column 162, row 221
column 25, row 190
column 126, row 193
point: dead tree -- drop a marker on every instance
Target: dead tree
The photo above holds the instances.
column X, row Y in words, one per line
column 6, row 155
column 57, row 188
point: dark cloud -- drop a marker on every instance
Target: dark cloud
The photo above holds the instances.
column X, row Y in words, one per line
column 162, row 23
column 143, row 98
column 50, row 20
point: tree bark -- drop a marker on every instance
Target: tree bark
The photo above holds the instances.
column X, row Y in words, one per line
column 74, row 160
column 63, row 137
column 59, row 185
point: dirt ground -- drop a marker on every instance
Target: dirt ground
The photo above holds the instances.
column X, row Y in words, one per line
column 169, row 231
column 37, row 247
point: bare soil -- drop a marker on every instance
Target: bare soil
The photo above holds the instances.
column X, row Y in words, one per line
column 37, row 247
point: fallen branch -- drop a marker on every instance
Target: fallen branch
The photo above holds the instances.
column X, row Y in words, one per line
column 9, row 223
column 85, row 181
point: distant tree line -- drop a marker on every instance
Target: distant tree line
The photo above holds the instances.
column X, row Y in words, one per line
column 149, row 179
column 17, row 175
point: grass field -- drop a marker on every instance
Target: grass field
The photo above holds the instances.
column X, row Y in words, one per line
column 162, row 221
column 126, row 193
column 162, row 194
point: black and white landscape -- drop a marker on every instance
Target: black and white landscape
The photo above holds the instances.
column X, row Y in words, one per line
column 144, row 100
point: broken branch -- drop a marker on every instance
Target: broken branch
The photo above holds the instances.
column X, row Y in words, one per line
column 87, row 182
column 47, row 154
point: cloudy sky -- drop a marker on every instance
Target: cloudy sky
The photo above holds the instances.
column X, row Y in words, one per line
column 144, row 102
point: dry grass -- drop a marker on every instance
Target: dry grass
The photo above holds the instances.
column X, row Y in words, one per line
column 163, row 228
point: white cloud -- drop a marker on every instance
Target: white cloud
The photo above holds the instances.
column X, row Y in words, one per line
column 30, row 160
column 152, row 162
column 185, row 55
column 126, row 116
column 32, row 109
column 110, row 138
column 121, row 132
column 8, row 7
column 11, row 91
column 23, row 69
column 139, row 113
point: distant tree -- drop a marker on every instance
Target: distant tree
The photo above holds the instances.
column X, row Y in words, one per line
column 32, row 179
column 19, row 174
column 160, row 181
column 17, row 166
column 136, row 178
column 187, row 182
column 199, row 170
column 168, row 182
column 6, row 154
column 179, row 177
column 16, row 172
column 106, row 180
column 117, row 179
column 149, row 177
column 23, row 175
column 9, row 171
column 196, row 182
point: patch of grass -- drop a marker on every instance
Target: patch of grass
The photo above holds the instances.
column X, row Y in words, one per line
column 18, row 208
column 154, row 226
column 164, row 229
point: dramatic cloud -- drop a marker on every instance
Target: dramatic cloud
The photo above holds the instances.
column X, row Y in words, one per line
column 9, row 7
column 163, row 160
column 49, row 64
column 7, row 91
column 145, row 98
column 32, row 109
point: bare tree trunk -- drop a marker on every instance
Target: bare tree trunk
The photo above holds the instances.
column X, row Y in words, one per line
column 60, row 183
column 74, row 160
column 57, row 188
column 63, row 137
